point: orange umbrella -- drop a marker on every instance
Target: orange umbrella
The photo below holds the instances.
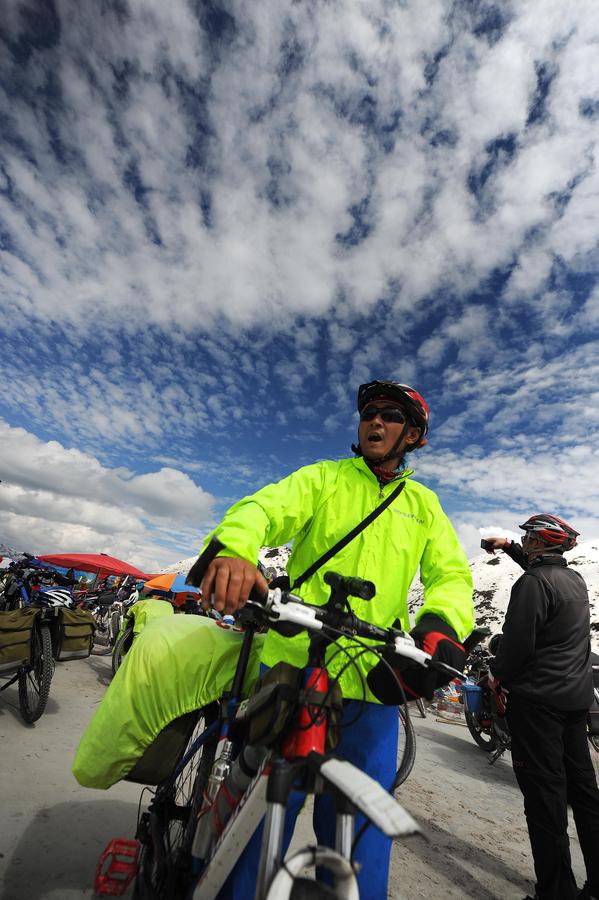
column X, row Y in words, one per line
column 173, row 582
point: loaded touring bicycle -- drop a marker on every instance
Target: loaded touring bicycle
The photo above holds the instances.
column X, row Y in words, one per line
column 222, row 769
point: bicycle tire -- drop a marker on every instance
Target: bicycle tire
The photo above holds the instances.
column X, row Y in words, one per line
column 172, row 820
column 409, row 750
column 34, row 679
column 122, row 647
column 116, row 623
column 486, row 742
column 308, row 889
column 102, row 628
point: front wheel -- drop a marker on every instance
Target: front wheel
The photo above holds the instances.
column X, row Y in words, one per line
column 35, row 677
column 122, row 647
column 481, row 733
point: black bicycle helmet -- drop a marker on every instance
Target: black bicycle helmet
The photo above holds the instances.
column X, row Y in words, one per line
column 553, row 532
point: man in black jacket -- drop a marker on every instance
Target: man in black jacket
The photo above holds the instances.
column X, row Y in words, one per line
column 543, row 660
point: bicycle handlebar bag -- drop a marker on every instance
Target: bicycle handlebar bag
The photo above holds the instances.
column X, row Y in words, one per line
column 275, row 702
column 16, row 627
column 72, row 632
column 175, row 666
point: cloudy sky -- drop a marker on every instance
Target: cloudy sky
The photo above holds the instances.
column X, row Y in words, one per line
column 217, row 218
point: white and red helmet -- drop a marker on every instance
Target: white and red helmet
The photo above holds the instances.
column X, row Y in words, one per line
column 554, row 532
column 405, row 396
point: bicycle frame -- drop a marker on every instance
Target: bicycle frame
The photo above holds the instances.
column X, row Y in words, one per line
column 226, row 811
column 301, row 764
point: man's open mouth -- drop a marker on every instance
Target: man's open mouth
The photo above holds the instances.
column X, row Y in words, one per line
column 374, row 438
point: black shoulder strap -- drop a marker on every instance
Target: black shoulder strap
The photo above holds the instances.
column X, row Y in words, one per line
column 348, row 537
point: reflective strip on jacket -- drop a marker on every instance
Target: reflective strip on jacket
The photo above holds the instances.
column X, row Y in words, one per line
column 315, row 507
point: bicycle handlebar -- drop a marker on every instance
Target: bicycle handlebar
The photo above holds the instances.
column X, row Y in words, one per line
column 284, row 607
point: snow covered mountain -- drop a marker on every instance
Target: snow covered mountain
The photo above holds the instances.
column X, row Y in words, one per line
column 269, row 556
column 493, row 578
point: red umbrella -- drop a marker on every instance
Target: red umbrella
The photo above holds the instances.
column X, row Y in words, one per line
column 94, row 562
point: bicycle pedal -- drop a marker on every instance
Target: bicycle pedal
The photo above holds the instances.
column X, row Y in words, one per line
column 117, row 867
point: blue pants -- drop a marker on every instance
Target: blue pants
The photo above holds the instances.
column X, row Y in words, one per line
column 371, row 745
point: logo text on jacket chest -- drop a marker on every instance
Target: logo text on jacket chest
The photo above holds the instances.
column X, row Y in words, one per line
column 406, row 515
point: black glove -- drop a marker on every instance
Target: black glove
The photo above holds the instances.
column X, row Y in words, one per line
column 436, row 637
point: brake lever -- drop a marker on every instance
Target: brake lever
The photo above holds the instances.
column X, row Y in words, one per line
column 443, row 667
column 195, row 576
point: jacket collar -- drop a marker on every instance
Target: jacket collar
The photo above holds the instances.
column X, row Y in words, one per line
column 550, row 559
column 360, row 463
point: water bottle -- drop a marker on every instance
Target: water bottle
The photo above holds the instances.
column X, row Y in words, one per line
column 243, row 770
column 205, row 832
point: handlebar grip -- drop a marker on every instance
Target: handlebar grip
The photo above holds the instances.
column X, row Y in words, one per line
column 354, row 587
column 257, row 597
column 198, row 570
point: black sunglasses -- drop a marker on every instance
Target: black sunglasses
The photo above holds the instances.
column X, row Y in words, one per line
column 387, row 414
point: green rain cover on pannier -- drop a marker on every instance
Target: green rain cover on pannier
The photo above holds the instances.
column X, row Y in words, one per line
column 145, row 611
column 173, row 667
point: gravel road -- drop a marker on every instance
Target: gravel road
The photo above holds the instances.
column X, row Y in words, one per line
column 52, row 830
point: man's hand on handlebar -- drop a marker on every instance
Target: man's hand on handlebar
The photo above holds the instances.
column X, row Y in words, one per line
column 227, row 584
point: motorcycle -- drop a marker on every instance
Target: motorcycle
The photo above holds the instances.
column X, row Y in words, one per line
column 484, row 711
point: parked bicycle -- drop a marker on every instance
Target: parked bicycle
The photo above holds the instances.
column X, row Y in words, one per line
column 38, row 624
column 243, row 759
column 26, row 658
column 108, row 608
column 27, row 582
column 25, row 636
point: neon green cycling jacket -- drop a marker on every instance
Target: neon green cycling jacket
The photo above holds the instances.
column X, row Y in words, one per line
column 315, row 507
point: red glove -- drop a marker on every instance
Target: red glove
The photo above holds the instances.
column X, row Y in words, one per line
column 434, row 636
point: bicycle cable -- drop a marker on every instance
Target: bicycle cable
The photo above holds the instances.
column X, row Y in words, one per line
column 340, row 649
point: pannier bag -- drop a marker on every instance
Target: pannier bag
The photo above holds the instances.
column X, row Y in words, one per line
column 275, row 701
column 143, row 612
column 15, row 637
column 176, row 665
column 72, row 633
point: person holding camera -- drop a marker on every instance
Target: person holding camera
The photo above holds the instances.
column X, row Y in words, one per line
column 544, row 661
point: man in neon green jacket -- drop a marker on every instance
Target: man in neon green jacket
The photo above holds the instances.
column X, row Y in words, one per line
column 315, row 507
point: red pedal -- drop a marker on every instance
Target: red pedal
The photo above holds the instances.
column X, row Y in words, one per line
column 117, row 867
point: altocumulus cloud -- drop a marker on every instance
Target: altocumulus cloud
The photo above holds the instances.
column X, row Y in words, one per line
column 216, row 217
column 173, row 162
